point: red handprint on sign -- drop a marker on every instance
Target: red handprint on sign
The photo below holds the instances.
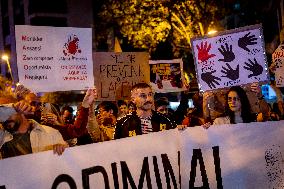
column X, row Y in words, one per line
column 203, row 52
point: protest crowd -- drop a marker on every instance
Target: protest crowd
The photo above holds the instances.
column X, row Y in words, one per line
column 126, row 95
column 142, row 94
column 29, row 125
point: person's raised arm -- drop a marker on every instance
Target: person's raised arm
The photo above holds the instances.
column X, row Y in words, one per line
column 80, row 125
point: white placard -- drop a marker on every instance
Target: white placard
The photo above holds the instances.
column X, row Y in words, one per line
column 234, row 57
column 226, row 156
column 278, row 61
column 54, row 58
column 167, row 75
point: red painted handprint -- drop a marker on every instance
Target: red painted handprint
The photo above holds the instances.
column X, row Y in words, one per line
column 203, row 52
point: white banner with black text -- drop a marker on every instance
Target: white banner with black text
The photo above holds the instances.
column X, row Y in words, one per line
column 227, row 156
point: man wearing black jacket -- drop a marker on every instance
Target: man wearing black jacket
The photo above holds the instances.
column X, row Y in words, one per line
column 144, row 120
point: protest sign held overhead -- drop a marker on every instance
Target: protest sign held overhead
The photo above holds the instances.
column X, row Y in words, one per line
column 54, row 58
column 234, row 57
column 278, row 64
column 167, row 75
column 116, row 73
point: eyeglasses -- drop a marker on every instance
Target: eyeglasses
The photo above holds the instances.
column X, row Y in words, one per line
column 230, row 99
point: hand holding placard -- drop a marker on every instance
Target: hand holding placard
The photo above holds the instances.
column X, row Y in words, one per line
column 90, row 97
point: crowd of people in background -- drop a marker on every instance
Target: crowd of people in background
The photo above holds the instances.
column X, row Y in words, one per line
column 29, row 125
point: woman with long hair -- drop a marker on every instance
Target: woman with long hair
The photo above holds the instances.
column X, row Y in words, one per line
column 237, row 109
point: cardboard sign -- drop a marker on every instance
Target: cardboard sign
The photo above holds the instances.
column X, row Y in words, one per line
column 167, row 75
column 278, row 61
column 226, row 156
column 116, row 73
column 54, row 58
column 234, row 57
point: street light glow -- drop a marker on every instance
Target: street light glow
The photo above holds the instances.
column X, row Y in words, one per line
column 211, row 32
column 5, row 57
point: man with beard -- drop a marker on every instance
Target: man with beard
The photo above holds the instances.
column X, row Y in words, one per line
column 27, row 136
column 144, row 120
